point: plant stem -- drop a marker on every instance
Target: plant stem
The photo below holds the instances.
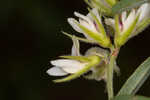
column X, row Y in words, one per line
column 114, row 53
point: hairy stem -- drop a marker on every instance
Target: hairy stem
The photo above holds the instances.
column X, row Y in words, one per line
column 113, row 56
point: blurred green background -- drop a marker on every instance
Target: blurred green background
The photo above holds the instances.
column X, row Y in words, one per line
column 31, row 37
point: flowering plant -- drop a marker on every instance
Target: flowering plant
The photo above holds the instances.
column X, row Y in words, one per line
column 110, row 31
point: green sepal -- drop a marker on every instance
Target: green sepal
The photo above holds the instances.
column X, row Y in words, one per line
column 94, row 60
column 79, row 58
column 144, row 24
column 117, row 28
column 123, row 37
column 79, row 38
column 102, row 41
column 100, row 25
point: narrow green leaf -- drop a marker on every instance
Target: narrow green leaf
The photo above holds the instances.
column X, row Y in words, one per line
column 137, row 79
column 123, row 97
column 127, row 5
column 130, row 97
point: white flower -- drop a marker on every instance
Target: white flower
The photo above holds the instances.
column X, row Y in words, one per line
column 86, row 21
column 63, row 67
column 94, row 60
column 145, row 12
column 91, row 27
column 126, row 20
column 128, row 25
column 78, row 65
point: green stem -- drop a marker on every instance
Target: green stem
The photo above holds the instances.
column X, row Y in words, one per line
column 110, row 73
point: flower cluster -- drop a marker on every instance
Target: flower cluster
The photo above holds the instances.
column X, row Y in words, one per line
column 95, row 28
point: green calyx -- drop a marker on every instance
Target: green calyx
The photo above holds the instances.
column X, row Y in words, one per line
column 122, row 37
column 117, row 27
column 78, row 58
column 100, row 27
column 144, row 24
column 101, row 39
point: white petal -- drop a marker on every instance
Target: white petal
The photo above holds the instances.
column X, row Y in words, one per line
column 83, row 17
column 129, row 20
column 75, row 48
column 73, row 69
column 56, row 71
column 96, row 13
column 65, row 63
column 72, row 21
column 70, row 66
column 87, row 25
column 145, row 11
column 124, row 16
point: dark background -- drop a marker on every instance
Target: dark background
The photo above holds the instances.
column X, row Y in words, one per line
column 31, row 37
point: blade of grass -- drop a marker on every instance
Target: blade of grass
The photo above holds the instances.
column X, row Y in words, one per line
column 131, row 97
column 137, row 79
